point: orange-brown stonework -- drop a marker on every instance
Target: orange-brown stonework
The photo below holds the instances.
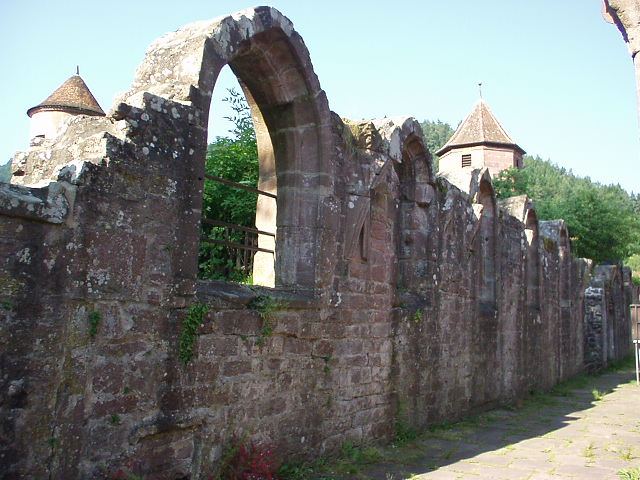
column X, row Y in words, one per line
column 625, row 14
column 399, row 295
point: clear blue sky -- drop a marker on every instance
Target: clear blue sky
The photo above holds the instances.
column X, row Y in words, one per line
column 558, row 77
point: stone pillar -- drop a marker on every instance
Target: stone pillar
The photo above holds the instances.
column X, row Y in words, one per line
column 625, row 14
column 636, row 64
column 595, row 339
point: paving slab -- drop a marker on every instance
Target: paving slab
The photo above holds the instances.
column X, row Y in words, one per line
column 574, row 437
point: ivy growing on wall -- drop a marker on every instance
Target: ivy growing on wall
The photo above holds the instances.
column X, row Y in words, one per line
column 190, row 325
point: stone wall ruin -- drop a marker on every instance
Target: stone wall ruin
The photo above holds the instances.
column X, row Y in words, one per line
column 399, row 295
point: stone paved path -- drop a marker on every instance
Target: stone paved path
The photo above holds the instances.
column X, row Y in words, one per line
column 563, row 437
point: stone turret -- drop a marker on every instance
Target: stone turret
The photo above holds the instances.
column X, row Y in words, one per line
column 72, row 98
column 480, row 142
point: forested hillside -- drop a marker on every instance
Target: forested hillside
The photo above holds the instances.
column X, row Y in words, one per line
column 603, row 220
column 436, row 135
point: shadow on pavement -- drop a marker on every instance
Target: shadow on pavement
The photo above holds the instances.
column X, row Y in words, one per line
column 494, row 431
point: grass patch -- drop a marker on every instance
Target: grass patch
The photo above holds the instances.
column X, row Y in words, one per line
column 450, row 431
column 301, row 471
column 589, row 451
column 538, row 400
column 448, row 455
column 565, row 389
column 408, row 448
column 626, row 363
column 350, row 462
column 626, row 455
column 506, row 449
column 405, row 433
column 630, row 474
column 352, row 458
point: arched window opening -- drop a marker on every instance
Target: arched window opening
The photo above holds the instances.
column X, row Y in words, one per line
column 533, row 260
column 415, row 173
column 564, row 241
column 293, row 134
column 565, row 267
column 239, row 197
column 292, row 123
column 487, row 244
column 415, row 193
column 363, row 242
column 404, row 234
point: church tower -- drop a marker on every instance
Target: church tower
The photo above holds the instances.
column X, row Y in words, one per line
column 480, row 142
column 71, row 98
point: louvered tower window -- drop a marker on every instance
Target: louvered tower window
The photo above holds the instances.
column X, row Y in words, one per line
column 466, row 160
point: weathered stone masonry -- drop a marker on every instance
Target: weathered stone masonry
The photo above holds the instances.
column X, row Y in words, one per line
column 399, row 295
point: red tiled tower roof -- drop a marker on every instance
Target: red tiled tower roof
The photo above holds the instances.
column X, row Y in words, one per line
column 73, row 96
column 479, row 128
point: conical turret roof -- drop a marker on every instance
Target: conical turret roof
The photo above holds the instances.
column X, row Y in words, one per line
column 73, row 96
column 479, row 128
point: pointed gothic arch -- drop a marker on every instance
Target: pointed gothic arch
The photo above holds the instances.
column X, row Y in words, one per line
column 487, row 241
column 290, row 112
column 415, row 175
column 564, row 250
column 417, row 170
column 413, row 171
column 532, row 260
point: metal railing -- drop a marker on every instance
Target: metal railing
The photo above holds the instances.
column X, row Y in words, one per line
column 246, row 245
column 241, row 254
column 239, row 185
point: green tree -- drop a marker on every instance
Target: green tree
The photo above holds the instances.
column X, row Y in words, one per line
column 510, row 183
column 634, row 262
column 5, row 172
column 436, row 134
column 603, row 221
column 233, row 158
